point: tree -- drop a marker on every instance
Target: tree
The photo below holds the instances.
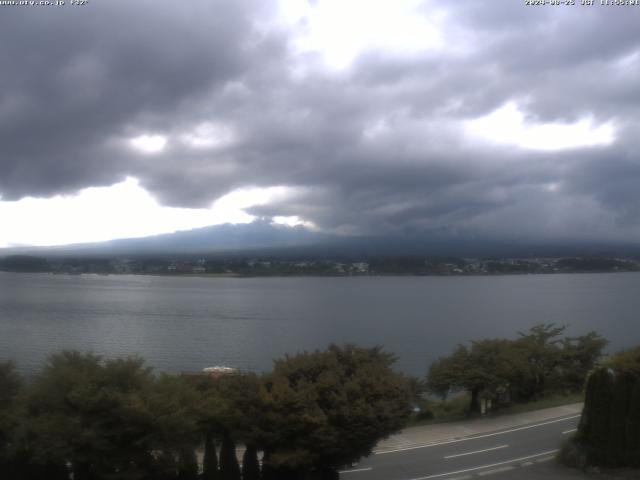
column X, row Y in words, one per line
column 536, row 363
column 579, row 357
column 10, row 387
column 484, row 369
column 210, row 460
column 633, row 428
column 593, row 429
column 609, row 428
column 229, row 468
column 250, row 464
column 449, row 373
column 230, row 409
column 187, row 464
column 10, row 384
column 626, row 362
column 63, row 411
column 175, row 431
column 327, row 409
column 109, row 419
column 542, row 355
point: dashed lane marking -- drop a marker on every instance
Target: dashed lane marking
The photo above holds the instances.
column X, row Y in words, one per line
column 570, row 431
column 496, row 470
column 356, row 470
column 466, row 439
column 477, row 451
column 545, row 459
column 473, row 469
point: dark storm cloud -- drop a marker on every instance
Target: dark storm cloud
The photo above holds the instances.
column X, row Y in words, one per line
column 74, row 79
column 378, row 148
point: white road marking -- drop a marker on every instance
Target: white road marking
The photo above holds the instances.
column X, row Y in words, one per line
column 486, row 466
column 545, row 459
column 356, row 470
column 526, row 464
column 570, row 431
column 465, row 477
column 477, row 451
column 466, row 439
column 495, row 470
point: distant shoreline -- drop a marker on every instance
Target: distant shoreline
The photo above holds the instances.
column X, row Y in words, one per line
column 239, row 267
column 327, row 275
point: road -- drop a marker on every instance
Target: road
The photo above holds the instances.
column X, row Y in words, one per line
column 465, row 458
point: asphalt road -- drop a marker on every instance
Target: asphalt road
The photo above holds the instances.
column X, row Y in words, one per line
column 470, row 457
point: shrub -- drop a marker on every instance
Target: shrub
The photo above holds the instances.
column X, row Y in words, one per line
column 609, row 429
column 572, row 454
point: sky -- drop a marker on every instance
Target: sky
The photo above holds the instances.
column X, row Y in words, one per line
column 127, row 118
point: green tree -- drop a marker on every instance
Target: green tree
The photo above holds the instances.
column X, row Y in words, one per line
column 175, row 431
column 229, row 468
column 10, row 387
column 92, row 413
column 327, row 409
column 250, row 464
column 633, row 427
column 110, row 419
column 187, row 464
column 486, row 368
column 536, row 363
column 542, row 356
column 210, row 460
column 608, row 430
column 448, row 373
column 594, row 423
column 626, row 362
column 579, row 356
column 230, row 409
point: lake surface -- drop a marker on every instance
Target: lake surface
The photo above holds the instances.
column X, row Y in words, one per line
column 186, row 323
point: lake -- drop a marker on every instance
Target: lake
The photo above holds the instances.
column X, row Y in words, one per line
column 187, row 323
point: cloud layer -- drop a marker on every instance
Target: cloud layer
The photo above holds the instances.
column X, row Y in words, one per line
column 196, row 101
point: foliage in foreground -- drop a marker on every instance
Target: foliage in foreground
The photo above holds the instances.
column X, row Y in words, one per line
column 113, row 419
column 538, row 363
column 330, row 408
column 609, row 430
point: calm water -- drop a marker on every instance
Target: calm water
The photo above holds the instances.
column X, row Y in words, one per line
column 185, row 323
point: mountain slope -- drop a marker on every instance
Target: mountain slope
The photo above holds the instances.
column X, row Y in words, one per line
column 265, row 238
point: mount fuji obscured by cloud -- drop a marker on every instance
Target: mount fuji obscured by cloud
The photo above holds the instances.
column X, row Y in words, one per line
column 262, row 237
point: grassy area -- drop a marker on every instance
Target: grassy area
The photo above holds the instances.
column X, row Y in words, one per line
column 456, row 408
column 546, row 402
column 449, row 410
